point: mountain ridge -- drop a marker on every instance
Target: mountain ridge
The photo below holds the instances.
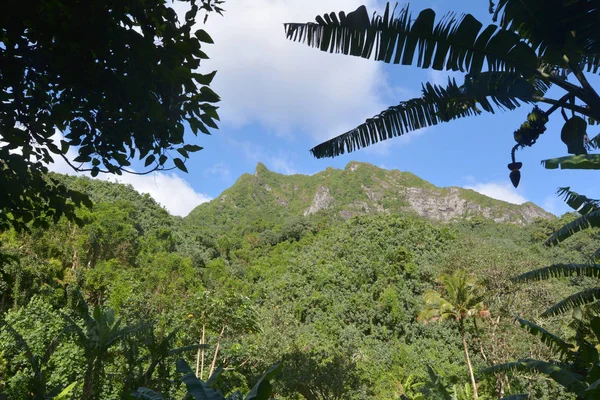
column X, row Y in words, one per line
column 359, row 188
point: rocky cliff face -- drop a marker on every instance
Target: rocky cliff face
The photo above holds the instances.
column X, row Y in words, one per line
column 358, row 189
column 451, row 205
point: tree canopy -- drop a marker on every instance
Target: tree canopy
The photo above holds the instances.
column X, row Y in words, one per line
column 119, row 87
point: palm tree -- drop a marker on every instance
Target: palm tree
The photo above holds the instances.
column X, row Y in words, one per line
column 459, row 299
column 536, row 45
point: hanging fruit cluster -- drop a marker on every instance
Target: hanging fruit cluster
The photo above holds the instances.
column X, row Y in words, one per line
column 530, row 130
column 527, row 134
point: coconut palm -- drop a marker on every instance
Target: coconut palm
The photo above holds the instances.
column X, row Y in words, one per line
column 459, row 298
column 536, row 44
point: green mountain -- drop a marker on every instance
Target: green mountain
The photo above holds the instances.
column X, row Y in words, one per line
column 358, row 189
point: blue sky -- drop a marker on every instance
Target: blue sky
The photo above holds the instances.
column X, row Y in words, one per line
column 280, row 98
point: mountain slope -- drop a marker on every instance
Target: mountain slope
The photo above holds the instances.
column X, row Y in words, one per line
column 358, row 189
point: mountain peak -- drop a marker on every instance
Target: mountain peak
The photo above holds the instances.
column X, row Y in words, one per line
column 359, row 188
column 260, row 169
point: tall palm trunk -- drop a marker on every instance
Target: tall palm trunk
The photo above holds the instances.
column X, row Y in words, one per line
column 464, row 341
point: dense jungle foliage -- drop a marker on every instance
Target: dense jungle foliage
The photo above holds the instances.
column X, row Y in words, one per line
column 100, row 310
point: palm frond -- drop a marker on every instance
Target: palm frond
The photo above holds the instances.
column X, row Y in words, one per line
column 573, row 382
column 576, row 300
column 486, row 91
column 594, row 308
column 559, row 271
column 589, row 220
column 578, row 202
column 582, row 161
column 553, row 27
column 554, row 342
column 453, row 43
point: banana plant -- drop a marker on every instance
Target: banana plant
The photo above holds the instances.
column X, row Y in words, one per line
column 100, row 333
column 158, row 349
column 579, row 369
column 200, row 390
column 533, row 46
column 589, row 211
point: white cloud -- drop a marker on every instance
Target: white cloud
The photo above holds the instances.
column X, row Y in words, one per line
column 282, row 85
column 555, row 205
column 168, row 189
column 499, row 191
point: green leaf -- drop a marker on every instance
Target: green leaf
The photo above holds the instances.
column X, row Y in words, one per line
column 192, row 148
column 210, row 382
column 589, row 220
column 149, row 160
column 66, row 393
column 262, row 390
column 205, row 79
column 183, row 152
column 203, row 36
column 554, row 342
column 450, row 44
column 486, row 91
column 207, row 95
column 572, row 382
column 179, row 164
column 560, row 271
column 583, row 161
column 196, row 388
column 576, row 300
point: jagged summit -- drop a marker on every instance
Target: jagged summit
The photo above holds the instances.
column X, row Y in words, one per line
column 359, row 188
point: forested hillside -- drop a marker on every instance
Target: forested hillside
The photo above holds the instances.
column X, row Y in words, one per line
column 331, row 286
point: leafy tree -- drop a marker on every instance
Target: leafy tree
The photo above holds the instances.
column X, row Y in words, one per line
column 121, row 86
column 536, row 45
column 462, row 299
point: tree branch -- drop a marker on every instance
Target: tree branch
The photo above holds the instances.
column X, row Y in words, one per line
column 582, row 110
column 583, row 80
